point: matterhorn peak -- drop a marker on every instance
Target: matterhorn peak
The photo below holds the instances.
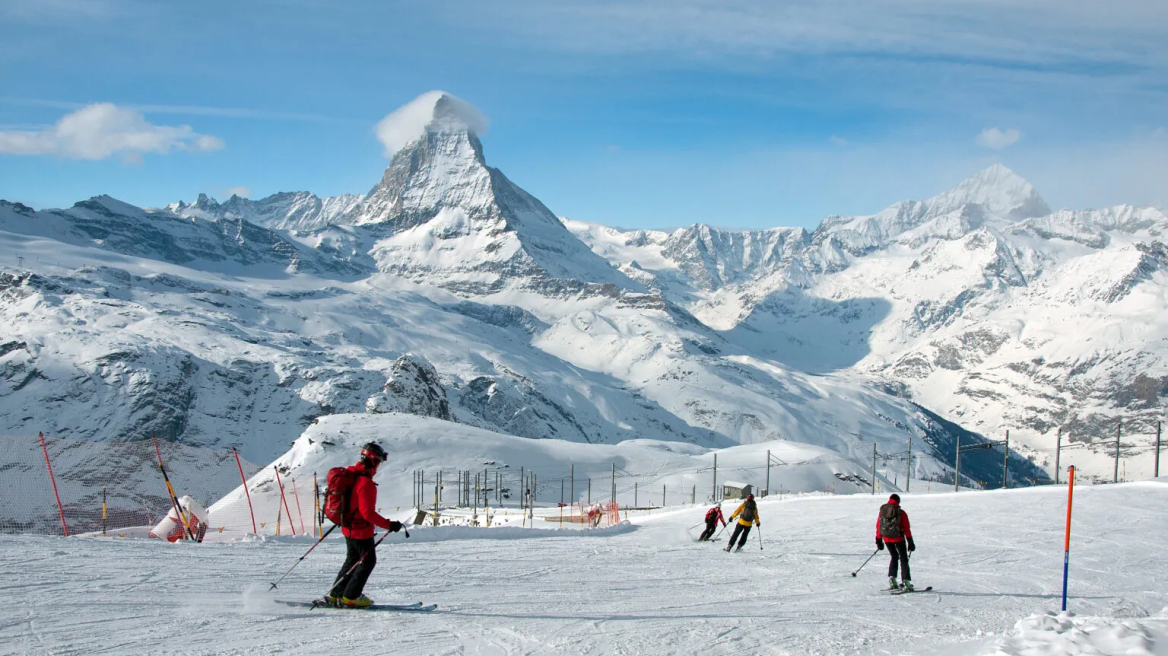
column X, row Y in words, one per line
column 433, row 111
column 998, row 190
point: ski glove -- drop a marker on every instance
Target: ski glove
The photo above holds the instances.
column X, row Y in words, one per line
column 911, row 545
column 394, row 527
column 879, row 544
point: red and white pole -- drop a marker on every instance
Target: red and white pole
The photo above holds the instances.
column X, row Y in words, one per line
column 53, row 480
column 1067, row 544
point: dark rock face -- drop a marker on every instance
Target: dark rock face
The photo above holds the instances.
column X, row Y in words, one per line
column 413, row 388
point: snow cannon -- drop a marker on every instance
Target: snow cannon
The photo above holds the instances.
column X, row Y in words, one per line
column 171, row 527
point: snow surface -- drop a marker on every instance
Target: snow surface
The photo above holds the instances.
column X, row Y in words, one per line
column 994, row 559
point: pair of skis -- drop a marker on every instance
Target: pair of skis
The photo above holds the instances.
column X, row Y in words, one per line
column 406, row 608
column 900, row 591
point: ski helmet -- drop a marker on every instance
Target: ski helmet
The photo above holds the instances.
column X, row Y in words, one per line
column 750, row 497
column 374, row 453
column 894, row 497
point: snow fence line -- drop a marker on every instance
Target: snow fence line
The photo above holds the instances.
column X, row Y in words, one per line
column 450, row 533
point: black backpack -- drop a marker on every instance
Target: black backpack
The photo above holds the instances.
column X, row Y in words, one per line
column 890, row 521
column 748, row 510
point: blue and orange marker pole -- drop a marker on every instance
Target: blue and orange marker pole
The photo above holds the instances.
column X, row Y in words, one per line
column 1067, row 545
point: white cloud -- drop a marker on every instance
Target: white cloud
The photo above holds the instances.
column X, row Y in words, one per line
column 998, row 139
column 102, row 130
column 838, row 141
column 408, row 122
column 239, row 190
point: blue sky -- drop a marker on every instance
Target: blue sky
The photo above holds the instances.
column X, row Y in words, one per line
column 646, row 113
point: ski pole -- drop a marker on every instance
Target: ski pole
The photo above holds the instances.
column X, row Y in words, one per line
column 866, row 561
column 326, row 533
column 359, row 561
column 759, row 537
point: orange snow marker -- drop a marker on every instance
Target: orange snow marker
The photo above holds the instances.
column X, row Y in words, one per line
column 285, row 499
column 296, row 496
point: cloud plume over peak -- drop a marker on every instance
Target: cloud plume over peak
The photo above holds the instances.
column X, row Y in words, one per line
column 998, row 139
column 436, row 109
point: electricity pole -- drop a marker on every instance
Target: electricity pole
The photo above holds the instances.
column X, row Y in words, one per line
column 1006, row 463
column 1118, row 426
column 908, row 476
column 957, row 467
column 873, row 468
column 1058, row 452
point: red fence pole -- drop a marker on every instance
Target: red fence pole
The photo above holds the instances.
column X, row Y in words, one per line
column 285, row 499
column 53, row 480
column 249, row 508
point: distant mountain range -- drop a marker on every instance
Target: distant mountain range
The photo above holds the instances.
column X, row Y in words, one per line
column 448, row 291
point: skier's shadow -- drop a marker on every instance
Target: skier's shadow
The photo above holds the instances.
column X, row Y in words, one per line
column 615, row 618
column 1008, row 594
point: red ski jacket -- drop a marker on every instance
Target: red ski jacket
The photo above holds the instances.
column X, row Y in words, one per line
column 904, row 528
column 363, row 504
column 715, row 515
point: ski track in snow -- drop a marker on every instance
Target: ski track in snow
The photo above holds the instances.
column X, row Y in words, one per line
column 994, row 558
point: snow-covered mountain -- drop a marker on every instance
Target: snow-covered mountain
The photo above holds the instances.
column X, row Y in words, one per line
column 980, row 303
column 447, row 291
column 283, row 211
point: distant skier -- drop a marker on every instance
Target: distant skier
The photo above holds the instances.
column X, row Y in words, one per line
column 713, row 516
column 747, row 514
column 359, row 519
column 892, row 529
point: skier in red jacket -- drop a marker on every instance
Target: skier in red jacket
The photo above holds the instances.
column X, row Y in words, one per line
column 359, row 531
column 892, row 529
column 713, row 516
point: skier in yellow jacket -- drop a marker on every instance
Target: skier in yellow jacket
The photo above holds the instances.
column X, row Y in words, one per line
column 747, row 514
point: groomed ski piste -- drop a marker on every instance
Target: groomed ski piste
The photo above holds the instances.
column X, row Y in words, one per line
column 994, row 559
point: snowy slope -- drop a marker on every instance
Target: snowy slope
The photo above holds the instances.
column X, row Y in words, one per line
column 980, row 302
column 994, row 559
column 429, row 444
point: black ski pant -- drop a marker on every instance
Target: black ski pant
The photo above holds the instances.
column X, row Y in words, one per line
column 709, row 532
column 898, row 551
column 353, row 584
column 739, row 528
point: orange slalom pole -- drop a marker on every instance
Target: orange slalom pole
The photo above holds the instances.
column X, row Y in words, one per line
column 1067, row 544
column 53, row 480
column 249, row 508
column 299, row 513
column 285, row 499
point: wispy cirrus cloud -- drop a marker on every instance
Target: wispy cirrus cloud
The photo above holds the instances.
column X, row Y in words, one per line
column 1001, row 32
column 103, row 130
